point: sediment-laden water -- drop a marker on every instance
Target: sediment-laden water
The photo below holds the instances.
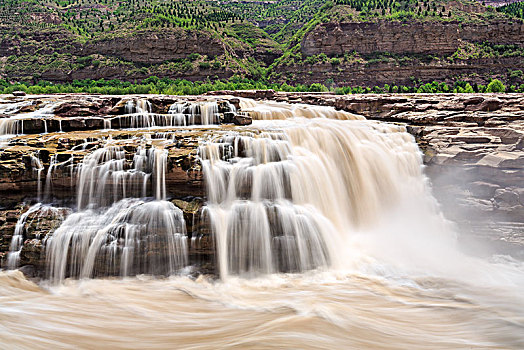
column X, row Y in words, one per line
column 325, row 234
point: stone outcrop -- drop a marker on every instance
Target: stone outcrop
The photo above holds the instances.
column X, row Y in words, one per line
column 392, row 52
column 440, row 38
column 156, row 47
column 391, row 72
column 53, row 55
column 414, row 49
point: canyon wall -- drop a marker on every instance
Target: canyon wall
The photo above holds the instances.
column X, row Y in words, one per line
column 59, row 56
column 440, row 38
column 390, row 52
column 391, row 72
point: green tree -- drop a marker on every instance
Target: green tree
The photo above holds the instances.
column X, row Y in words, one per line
column 495, row 86
column 468, row 88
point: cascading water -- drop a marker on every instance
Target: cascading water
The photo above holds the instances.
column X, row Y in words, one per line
column 106, row 176
column 14, row 124
column 114, row 232
column 15, row 248
column 31, row 216
column 38, row 167
column 128, row 238
column 287, row 200
column 275, row 110
column 123, row 225
column 139, row 114
column 328, row 215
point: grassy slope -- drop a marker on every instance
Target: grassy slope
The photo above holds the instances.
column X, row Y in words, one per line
column 53, row 27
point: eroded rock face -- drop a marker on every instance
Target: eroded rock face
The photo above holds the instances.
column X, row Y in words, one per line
column 65, row 113
column 58, row 133
column 392, row 52
column 155, row 47
column 59, row 159
column 396, row 37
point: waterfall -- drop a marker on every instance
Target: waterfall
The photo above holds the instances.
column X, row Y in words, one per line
column 117, row 230
column 106, row 176
column 128, row 238
column 209, row 112
column 285, row 194
column 14, row 124
column 285, row 201
column 320, row 226
column 36, row 164
column 275, row 110
column 15, row 248
column 138, row 106
column 139, row 115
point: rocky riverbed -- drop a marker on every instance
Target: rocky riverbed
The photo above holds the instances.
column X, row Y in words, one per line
column 472, row 145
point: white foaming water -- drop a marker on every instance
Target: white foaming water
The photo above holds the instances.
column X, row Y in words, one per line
column 13, row 257
column 198, row 113
column 138, row 106
column 128, row 238
column 7, row 107
column 31, row 216
column 139, row 114
column 289, row 200
column 14, row 125
column 114, row 232
column 106, row 176
column 275, row 110
column 37, row 166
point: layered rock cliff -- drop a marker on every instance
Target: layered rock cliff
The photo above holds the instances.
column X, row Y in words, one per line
column 369, row 53
column 391, row 52
column 59, row 56
column 438, row 38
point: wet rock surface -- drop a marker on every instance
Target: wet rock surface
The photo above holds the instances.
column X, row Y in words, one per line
column 47, row 138
column 77, row 112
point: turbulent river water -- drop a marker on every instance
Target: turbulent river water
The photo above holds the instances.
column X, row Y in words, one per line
column 327, row 237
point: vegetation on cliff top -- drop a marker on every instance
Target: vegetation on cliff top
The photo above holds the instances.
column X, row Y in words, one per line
column 515, row 9
column 405, row 10
column 155, row 85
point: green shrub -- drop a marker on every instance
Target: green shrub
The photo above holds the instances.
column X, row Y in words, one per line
column 194, row 56
column 495, row 86
column 317, row 87
column 335, row 61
